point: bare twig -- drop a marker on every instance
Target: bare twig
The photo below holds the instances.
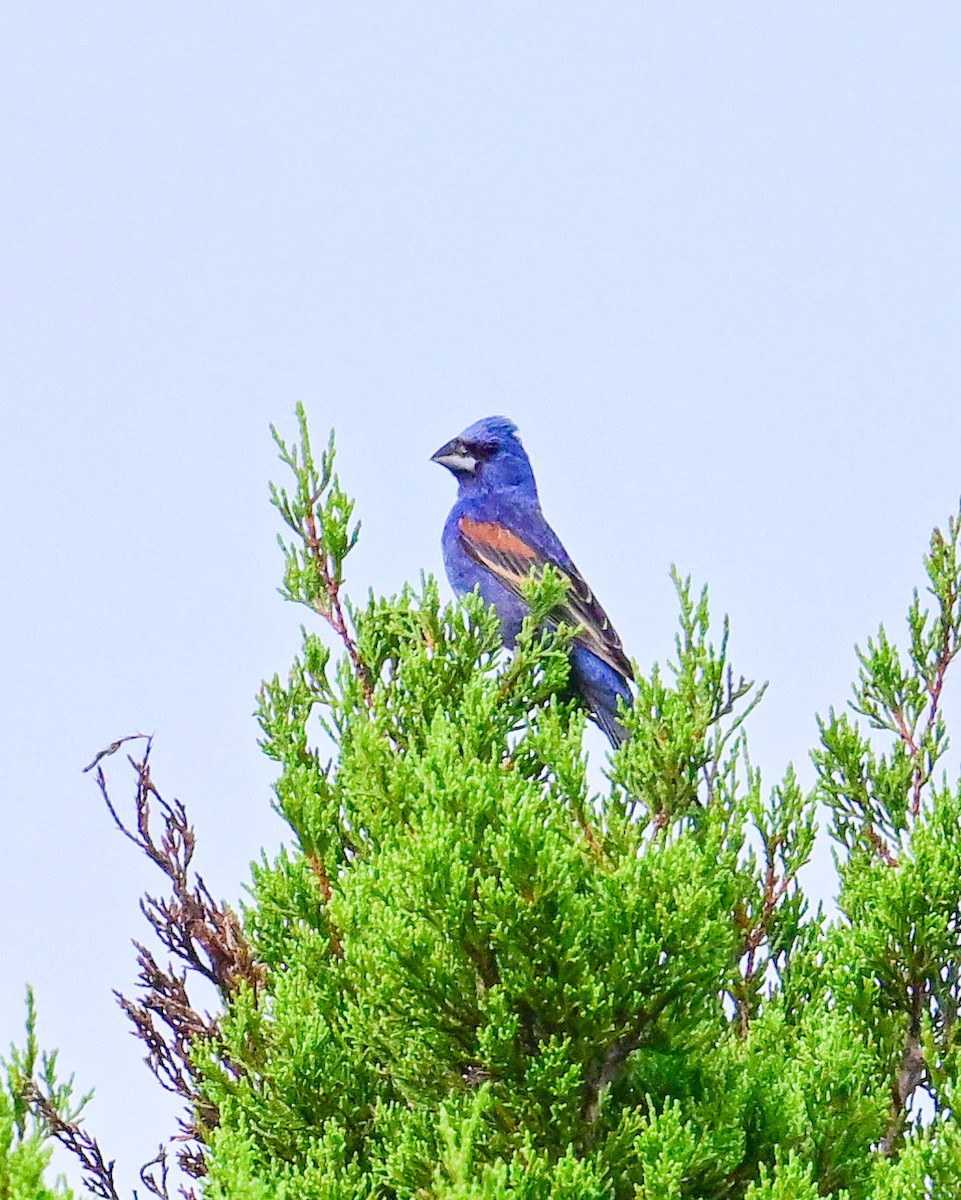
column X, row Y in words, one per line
column 208, row 940
column 153, row 1175
column 911, row 1071
column 755, row 932
column 606, row 1066
column 206, row 936
column 97, row 1171
column 880, row 845
column 323, row 882
column 606, row 1070
column 113, row 748
column 590, row 836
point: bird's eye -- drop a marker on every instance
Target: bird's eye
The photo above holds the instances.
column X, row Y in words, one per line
column 483, row 450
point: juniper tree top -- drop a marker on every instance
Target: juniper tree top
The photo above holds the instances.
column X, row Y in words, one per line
column 476, row 975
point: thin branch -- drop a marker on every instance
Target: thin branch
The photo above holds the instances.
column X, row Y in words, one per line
column 323, row 882
column 206, row 937
column 755, row 932
column 880, row 845
column 911, row 1071
column 97, row 1171
column 605, row 1068
column 333, row 612
column 113, row 748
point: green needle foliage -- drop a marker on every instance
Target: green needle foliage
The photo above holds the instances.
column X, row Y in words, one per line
column 25, row 1137
column 476, row 974
column 487, row 978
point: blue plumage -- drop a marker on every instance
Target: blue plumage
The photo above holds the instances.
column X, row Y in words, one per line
column 496, row 535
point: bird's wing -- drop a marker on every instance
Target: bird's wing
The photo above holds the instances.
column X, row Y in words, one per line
column 513, row 560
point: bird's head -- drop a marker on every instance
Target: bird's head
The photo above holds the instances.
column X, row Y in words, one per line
column 488, row 455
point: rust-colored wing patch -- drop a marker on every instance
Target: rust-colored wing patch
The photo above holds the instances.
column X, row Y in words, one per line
column 514, row 562
column 495, row 537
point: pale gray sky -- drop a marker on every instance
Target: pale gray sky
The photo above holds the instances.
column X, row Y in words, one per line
column 707, row 257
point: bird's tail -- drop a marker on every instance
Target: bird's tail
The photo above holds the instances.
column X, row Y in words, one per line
column 599, row 687
column 615, row 731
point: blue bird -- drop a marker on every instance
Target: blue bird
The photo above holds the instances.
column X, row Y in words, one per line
column 496, row 535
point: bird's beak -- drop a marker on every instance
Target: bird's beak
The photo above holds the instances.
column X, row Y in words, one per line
column 455, row 457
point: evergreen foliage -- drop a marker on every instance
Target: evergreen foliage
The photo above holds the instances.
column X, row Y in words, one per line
column 24, row 1135
column 479, row 976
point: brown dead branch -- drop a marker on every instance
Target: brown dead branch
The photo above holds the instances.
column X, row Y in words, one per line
column 206, row 938
column 97, row 1171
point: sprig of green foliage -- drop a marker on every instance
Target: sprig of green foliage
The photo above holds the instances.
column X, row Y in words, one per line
column 25, row 1138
